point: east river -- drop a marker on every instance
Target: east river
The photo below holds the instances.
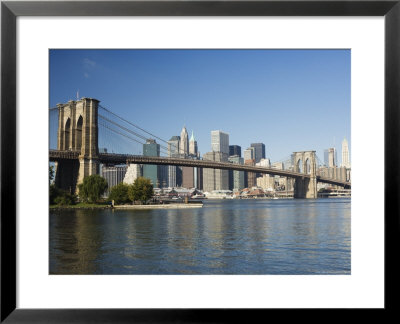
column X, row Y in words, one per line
column 283, row 236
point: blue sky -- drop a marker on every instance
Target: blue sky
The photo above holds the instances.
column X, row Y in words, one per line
column 291, row 100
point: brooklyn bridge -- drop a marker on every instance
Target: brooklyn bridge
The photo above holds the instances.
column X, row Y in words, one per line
column 80, row 126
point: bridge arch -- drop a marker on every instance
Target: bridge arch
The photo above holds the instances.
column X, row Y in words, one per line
column 78, row 133
column 67, row 134
column 307, row 166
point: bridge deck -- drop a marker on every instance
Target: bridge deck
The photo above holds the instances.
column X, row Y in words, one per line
column 107, row 158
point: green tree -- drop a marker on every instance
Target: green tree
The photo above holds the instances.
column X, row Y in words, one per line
column 141, row 190
column 92, row 188
column 119, row 193
column 51, row 172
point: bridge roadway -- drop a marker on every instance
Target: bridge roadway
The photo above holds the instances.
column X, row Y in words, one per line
column 111, row 158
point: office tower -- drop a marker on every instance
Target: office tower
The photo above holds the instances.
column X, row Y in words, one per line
column 345, row 154
column 114, row 175
column 173, row 151
column 249, row 153
column 215, row 179
column 330, row 157
column 266, row 163
column 151, row 148
column 184, row 142
column 236, row 178
column 259, row 152
column 251, row 176
column 220, row 142
column 133, row 172
column 192, row 146
column 235, row 150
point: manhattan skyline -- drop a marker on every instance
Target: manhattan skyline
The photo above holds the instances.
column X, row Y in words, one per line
column 290, row 100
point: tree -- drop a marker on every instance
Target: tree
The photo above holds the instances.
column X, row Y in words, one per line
column 141, row 190
column 119, row 193
column 92, row 188
column 51, row 173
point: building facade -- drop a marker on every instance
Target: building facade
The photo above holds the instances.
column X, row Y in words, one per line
column 215, row 179
column 220, row 142
column 345, row 154
column 114, row 175
column 151, row 148
column 235, row 150
column 133, row 172
column 236, row 178
column 259, row 151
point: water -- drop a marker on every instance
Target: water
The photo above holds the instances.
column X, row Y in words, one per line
column 286, row 237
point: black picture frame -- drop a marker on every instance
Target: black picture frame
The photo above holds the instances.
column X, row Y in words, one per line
column 10, row 10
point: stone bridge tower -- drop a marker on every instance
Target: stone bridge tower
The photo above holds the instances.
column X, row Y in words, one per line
column 305, row 162
column 77, row 131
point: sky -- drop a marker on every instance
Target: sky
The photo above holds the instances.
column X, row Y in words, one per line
column 290, row 100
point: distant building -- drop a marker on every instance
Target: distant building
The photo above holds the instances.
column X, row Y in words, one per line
column 114, row 175
column 249, row 154
column 330, row 157
column 235, row 150
column 173, row 151
column 220, row 142
column 236, row 178
column 184, row 142
column 193, row 146
column 345, row 154
column 133, row 172
column 251, row 176
column 151, row 148
column 215, row 179
column 259, row 151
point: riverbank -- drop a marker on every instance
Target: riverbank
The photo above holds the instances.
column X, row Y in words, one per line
column 102, row 206
column 161, row 206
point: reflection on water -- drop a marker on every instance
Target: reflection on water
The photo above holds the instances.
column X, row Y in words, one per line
column 224, row 237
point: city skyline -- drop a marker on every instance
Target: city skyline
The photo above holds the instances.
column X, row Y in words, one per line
column 273, row 97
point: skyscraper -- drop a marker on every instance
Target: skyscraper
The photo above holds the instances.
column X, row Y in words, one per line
column 173, row 151
column 330, row 157
column 235, row 150
column 215, row 179
column 192, row 146
column 184, row 142
column 259, row 151
column 151, row 148
column 345, row 154
column 220, row 142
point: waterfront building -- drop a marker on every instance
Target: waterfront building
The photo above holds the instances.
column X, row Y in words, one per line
column 345, row 154
column 184, row 142
column 114, row 175
column 133, row 172
column 235, row 150
column 152, row 172
column 236, row 178
column 215, row 179
column 220, row 142
column 259, row 151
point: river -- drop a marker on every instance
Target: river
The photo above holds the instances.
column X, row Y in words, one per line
column 283, row 237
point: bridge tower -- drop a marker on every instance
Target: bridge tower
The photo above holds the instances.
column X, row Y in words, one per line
column 77, row 131
column 305, row 162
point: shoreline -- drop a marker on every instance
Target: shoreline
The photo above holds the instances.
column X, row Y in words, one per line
column 160, row 206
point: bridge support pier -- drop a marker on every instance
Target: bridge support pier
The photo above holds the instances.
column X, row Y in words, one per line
column 304, row 187
column 78, row 131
